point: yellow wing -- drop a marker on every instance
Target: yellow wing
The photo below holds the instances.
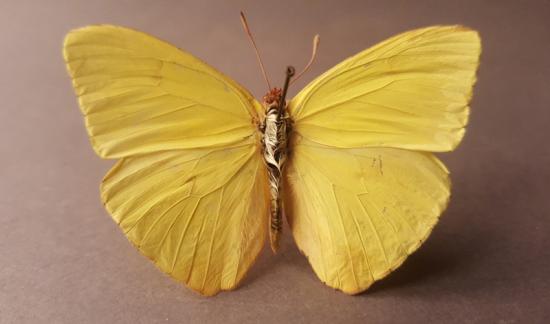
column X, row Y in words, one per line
column 411, row 91
column 140, row 95
column 359, row 202
column 358, row 213
column 199, row 214
column 190, row 191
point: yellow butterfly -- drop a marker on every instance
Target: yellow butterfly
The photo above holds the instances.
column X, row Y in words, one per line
column 205, row 171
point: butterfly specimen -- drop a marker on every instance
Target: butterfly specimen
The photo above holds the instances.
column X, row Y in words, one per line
column 206, row 172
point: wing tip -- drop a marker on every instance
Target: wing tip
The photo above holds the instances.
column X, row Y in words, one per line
column 455, row 28
column 75, row 35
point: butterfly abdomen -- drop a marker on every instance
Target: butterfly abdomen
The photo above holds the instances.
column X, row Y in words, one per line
column 274, row 145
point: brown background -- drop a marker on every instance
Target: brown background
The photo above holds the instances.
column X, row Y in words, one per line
column 64, row 261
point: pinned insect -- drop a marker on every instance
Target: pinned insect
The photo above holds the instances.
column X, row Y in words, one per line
column 205, row 171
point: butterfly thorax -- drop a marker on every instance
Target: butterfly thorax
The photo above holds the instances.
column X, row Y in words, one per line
column 275, row 130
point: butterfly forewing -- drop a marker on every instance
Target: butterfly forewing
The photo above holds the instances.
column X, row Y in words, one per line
column 140, row 95
column 411, row 91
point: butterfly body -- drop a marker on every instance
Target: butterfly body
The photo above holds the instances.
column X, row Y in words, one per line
column 275, row 133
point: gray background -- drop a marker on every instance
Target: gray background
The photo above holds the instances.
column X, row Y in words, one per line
column 62, row 259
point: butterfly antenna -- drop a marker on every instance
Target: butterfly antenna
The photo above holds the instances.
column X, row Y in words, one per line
column 316, row 40
column 249, row 34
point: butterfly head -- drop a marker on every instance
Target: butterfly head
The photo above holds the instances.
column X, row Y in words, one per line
column 275, row 97
column 272, row 97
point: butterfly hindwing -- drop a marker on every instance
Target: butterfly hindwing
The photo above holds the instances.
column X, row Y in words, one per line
column 358, row 213
column 190, row 188
column 199, row 214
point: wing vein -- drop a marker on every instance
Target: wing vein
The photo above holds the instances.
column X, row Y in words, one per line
column 380, row 245
column 345, row 235
column 208, row 259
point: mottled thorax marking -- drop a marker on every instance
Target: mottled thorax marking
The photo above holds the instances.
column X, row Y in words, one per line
column 275, row 130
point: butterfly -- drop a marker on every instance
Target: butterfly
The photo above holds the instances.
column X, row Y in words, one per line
column 206, row 173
